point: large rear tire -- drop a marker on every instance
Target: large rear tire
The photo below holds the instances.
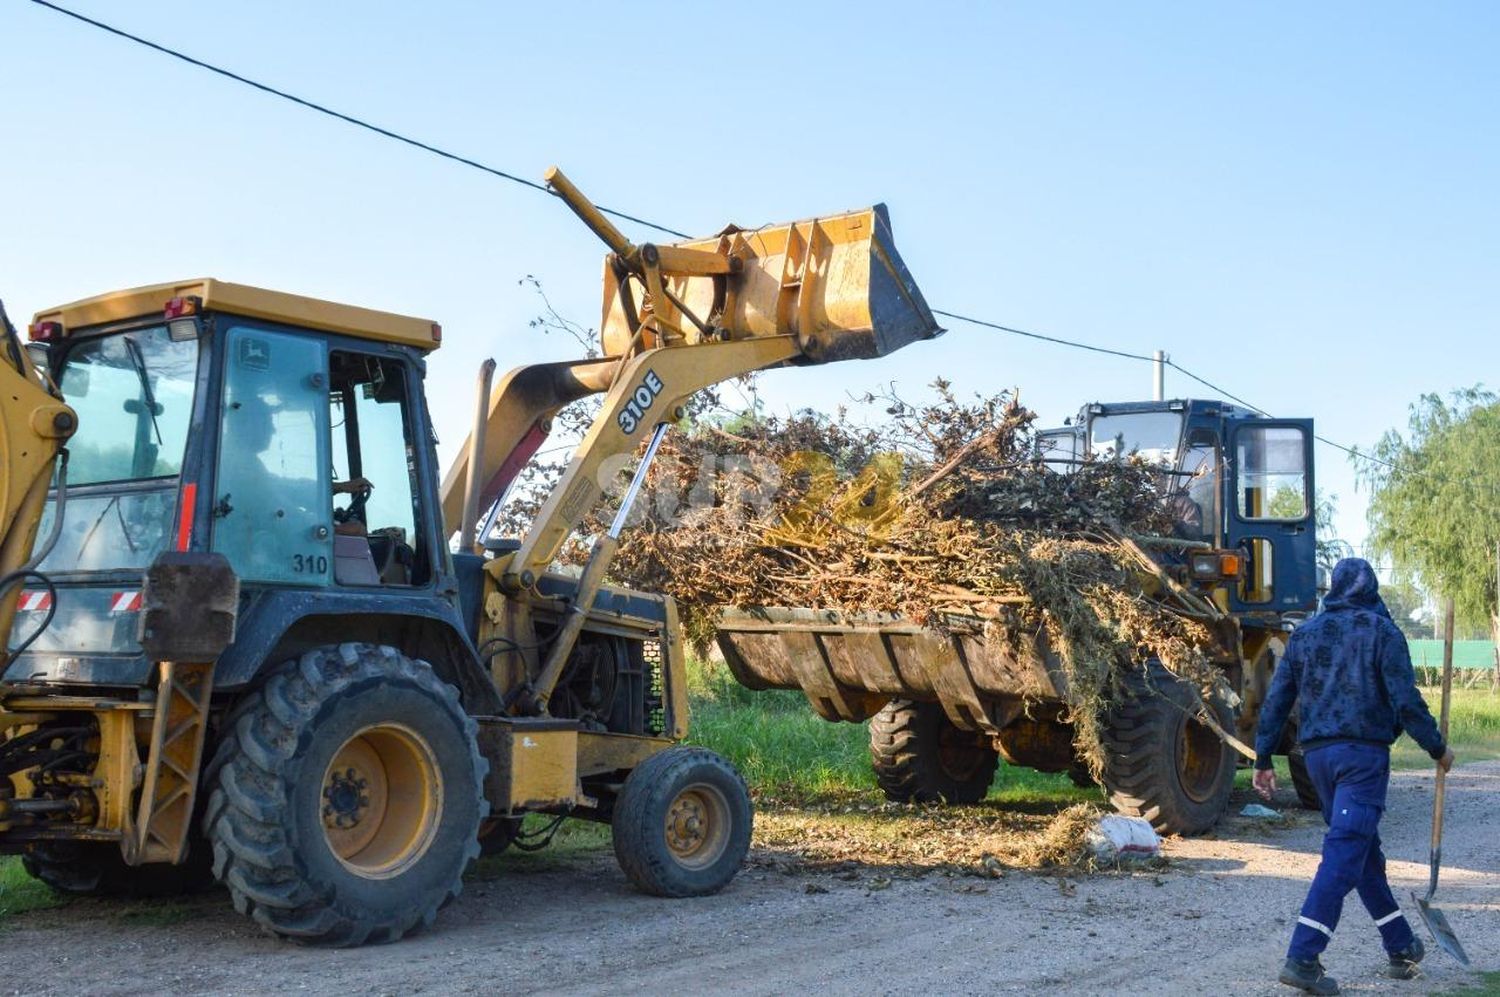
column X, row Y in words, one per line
column 920, row 757
column 347, row 797
column 682, row 823
column 92, row 868
column 1163, row 764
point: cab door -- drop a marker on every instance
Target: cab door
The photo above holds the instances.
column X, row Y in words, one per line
column 1272, row 514
column 273, row 504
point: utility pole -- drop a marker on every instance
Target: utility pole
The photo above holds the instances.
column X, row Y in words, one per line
column 1159, row 377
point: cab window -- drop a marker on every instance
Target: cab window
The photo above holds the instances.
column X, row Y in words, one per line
column 379, row 539
column 1271, row 472
column 1195, row 491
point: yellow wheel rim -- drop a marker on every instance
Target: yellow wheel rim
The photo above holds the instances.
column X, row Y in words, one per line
column 1199, row 754
column 382, row 797
column 697, row 826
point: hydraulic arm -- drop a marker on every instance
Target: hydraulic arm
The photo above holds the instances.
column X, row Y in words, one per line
column 676, row 319
column 34, row 425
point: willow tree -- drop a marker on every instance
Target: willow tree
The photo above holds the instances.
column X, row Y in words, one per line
column 1435, row 503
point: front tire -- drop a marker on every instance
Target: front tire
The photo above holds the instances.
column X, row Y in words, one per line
column 1163, row 764
column 682, row 823
column 920, row 757
column 347, row 797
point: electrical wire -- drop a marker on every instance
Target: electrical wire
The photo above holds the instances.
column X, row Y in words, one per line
column 312, row 105
column 1217, row 389
column 1048, row 339
column 513, row 178
column 535, row 841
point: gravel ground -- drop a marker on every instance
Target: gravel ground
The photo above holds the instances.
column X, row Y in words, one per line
column 1216, row 921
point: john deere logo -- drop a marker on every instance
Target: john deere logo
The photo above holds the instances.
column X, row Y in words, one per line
column 255, row 354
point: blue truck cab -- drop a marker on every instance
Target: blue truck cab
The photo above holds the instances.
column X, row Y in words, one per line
column 1239, row 482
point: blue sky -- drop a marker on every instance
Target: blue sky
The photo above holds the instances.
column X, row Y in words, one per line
column 1296, row 201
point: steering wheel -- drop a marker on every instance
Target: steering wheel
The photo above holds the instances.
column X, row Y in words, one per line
column 355, row 510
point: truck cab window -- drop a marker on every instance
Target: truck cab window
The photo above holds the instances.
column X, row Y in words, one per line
column 1272, row 472
column 1196, row 490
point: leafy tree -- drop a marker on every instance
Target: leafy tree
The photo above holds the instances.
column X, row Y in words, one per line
column 1408, row 606
column 1435, row 504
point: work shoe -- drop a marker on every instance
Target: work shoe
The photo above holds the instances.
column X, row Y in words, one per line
column 1404, row 963
column 1308, row 976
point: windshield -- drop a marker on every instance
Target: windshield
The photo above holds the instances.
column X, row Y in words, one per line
column 133, row 393
column 1154, row 436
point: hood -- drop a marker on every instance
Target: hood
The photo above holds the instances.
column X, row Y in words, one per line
column 1354, row 586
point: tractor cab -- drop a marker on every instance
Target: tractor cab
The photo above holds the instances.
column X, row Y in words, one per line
column 285, row 433
column 1240, row 487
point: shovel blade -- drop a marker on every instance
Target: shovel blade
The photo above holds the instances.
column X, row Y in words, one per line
column 1442, row 932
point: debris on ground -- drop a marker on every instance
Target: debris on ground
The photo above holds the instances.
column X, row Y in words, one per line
column 1262, row 812
column 984, row 842
column 1117, row 839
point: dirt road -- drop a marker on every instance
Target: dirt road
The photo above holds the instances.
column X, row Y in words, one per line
column 1215, row 922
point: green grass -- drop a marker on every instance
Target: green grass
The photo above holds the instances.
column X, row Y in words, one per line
column 1473, row 729
column 787, row 752
column 20, row 893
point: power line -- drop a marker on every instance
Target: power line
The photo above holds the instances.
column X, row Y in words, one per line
column 1075, row 344
column 1048, row 339
column 533, row 185
column 1215, row 388
column 340, row 115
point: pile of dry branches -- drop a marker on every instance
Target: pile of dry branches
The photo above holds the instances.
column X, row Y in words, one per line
column 939, row 513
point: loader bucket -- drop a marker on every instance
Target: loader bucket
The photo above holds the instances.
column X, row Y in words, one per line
column 850, row 664
column 837, row 284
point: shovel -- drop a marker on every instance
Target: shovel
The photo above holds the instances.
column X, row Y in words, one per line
column 1436, row 921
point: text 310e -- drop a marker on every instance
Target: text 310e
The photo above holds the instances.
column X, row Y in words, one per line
column 640, row 400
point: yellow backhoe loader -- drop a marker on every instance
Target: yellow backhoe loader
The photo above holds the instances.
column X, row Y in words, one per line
column 240, row 646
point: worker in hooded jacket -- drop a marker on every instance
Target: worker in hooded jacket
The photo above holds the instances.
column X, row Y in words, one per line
column 1349, row 672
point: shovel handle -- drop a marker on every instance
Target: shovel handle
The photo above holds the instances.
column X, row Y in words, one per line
column 1440, row 784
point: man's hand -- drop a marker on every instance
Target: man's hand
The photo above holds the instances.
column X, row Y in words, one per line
column 1264, row 782
column 352, row 487
column 1446, row 762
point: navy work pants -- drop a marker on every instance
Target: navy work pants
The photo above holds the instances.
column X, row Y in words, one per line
column 1351, row 779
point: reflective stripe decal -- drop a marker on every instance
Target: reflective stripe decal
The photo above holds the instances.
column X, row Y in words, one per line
column 34, row 602
column 1383, row 921
column 126, row 602
column 1316, row 925
column 186, row 506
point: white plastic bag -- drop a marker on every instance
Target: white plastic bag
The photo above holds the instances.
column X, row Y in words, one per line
column 1115, row 838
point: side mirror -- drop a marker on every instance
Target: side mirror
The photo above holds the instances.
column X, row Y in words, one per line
column 37, row 353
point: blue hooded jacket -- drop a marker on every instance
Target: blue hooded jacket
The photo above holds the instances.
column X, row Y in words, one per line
column 1350, row 673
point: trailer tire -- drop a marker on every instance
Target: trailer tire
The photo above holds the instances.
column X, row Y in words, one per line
column 90, row 868
column 682, row 823
column 920, row 757
column 347, row 796
column 1307, row 791
column 1160, row 762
